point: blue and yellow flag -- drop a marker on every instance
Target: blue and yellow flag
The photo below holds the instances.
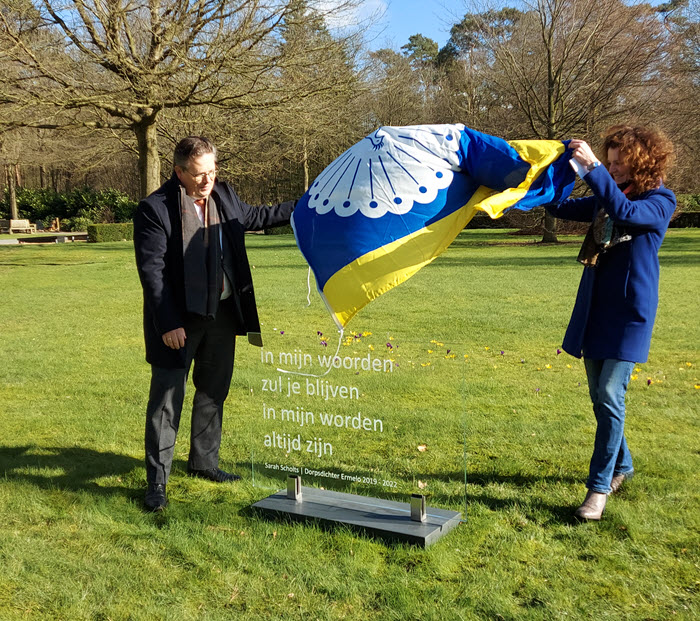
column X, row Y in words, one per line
column 394, row 201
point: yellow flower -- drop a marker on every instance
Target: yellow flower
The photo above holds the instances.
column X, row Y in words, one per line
column 486, row 348
column 366, row 334
column 634, row 377
column 568, row 366
column 425, row 364
column 466, row 355
column 547, row 366
column 688, row 364
column 430, row 351
column 371, row 347
column 637, row 369
column 439, row 344
column 697, row 386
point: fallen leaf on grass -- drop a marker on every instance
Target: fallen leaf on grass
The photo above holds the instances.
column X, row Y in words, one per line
column 422, row 448
column 422, row 485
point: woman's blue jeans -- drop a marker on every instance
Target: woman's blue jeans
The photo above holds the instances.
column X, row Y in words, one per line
column 607, row 385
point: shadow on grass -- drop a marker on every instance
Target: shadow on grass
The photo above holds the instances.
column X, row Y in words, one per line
column 69, row 468
column 276, row 246
column 79, row 469
column 522, row 497
column 535, row 510
column 121, row 246
column 52, row 264
column 523, row 481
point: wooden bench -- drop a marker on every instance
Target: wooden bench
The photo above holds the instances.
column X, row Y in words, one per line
column 22, row 226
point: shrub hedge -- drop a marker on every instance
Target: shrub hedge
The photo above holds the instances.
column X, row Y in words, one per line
column 530, row 222
column 279, row 230
column 688, row 202
column 122, row 231
column 81, row 204
column 687, row 213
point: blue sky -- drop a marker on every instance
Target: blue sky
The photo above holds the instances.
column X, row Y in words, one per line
column 403, row 18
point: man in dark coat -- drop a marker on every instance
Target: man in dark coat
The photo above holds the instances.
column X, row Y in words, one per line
column 198, row 295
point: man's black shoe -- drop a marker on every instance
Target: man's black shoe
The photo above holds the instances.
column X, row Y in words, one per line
column 155, row 497
column 214, row 474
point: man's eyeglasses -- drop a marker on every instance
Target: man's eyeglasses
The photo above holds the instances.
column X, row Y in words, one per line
column 199, row 177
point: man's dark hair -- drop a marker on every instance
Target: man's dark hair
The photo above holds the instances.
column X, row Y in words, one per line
column 192, row 146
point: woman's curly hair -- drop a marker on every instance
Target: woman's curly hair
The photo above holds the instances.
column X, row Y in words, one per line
column 647, row 152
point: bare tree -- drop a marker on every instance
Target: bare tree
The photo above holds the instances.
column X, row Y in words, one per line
column 569, row 65
column 395, row 90
column 117, row 65
column 286, row 145
column 311, row 128
column 677, row 110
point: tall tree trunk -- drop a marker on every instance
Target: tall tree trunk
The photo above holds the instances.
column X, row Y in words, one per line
column 549, row 236
column 12, row 186
column 42, row 176
column 550, row 229
column 306, row 166
column 149, row 160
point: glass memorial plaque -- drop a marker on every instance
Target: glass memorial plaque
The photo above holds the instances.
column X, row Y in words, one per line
column 380, row 414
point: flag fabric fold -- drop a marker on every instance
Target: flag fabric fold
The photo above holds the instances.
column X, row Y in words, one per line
column 394, row 201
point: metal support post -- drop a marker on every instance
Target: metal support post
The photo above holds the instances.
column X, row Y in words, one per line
column 294, row 487
column 418, row 507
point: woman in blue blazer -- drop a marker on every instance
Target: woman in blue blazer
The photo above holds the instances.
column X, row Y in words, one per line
column 615, row 308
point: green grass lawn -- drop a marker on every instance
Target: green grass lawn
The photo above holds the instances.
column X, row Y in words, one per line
column 76, row 544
